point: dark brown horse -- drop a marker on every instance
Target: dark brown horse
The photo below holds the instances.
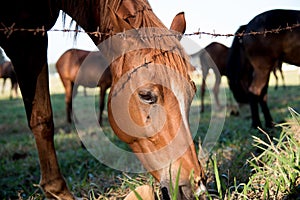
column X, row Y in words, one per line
column 254, row 56
column 67, row 67
column 213, row 56
column 163, row 96
column 7, row 71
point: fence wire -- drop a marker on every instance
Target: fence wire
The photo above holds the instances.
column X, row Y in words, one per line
column 8, row 30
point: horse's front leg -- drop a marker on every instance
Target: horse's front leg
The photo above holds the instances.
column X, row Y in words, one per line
column 253, row 100
column 41, row 124
column 257, row 89
column 32, row 72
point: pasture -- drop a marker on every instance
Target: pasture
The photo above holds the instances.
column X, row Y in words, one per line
column 88, row 178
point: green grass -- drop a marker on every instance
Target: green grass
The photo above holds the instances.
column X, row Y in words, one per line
column 88, row 178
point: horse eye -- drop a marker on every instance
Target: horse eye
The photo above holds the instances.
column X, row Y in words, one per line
column 147, row 97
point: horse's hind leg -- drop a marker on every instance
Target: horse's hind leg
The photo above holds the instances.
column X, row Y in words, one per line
column 30, row 61
column 68, row 85
column 276, row 78
column 282, row 77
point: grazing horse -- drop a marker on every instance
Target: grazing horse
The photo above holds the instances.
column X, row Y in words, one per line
column 213, row 56
column 7, row 71
column 162, row 97
column 253, row 57
column 67, row 67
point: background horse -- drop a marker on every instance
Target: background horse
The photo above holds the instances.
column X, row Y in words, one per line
column 213, row 56
column 253, row 57
column 7, row 71
column 28, row 52
column 68, row 66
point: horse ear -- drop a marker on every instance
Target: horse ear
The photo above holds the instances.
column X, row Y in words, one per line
column 118, row 23
column 178, row 23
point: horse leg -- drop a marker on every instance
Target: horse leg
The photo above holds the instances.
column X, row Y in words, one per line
column 276, row 78
column 32, row 71
column 259, row 82
column 3, row 86
column 103, row 89
column 265, row 109
column 14, row 83
column 216, row 89
column 16, row 88
column 11, row 88
column 68, row 99
column 204, row 75
column 282, row 77
column 253, row 99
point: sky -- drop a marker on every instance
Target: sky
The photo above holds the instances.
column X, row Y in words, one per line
column 208, row 16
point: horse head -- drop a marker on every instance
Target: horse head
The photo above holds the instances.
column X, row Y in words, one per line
column 150, row 98
column 239, row 69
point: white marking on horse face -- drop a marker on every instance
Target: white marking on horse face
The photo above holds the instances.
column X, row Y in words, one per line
column 181, row 96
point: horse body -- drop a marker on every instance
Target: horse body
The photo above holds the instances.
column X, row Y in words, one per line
column 7, row 71
column 259, row 54
column 28, row 52
column 93, row 63
column 265, row 51
column 213, row 56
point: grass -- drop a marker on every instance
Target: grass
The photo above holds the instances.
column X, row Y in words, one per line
column 235, row 170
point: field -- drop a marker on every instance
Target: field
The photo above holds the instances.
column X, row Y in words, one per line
column 227, row 165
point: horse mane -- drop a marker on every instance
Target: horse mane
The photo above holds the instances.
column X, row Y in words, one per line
column 136, row 15
column 139, row 15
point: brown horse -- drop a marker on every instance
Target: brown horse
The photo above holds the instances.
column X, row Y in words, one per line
column 254, row 56
column 7, row 71
column 213, row 56
column 67, row 67
column 164, row 97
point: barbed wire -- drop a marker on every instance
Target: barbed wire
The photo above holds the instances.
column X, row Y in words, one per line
column 8, row 30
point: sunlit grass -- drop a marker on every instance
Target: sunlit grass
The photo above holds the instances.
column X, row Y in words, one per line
column 89, row 178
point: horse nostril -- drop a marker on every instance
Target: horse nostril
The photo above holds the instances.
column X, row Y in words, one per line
column 165, row 193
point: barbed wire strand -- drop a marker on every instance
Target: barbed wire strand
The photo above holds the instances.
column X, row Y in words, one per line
column 8, row 30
